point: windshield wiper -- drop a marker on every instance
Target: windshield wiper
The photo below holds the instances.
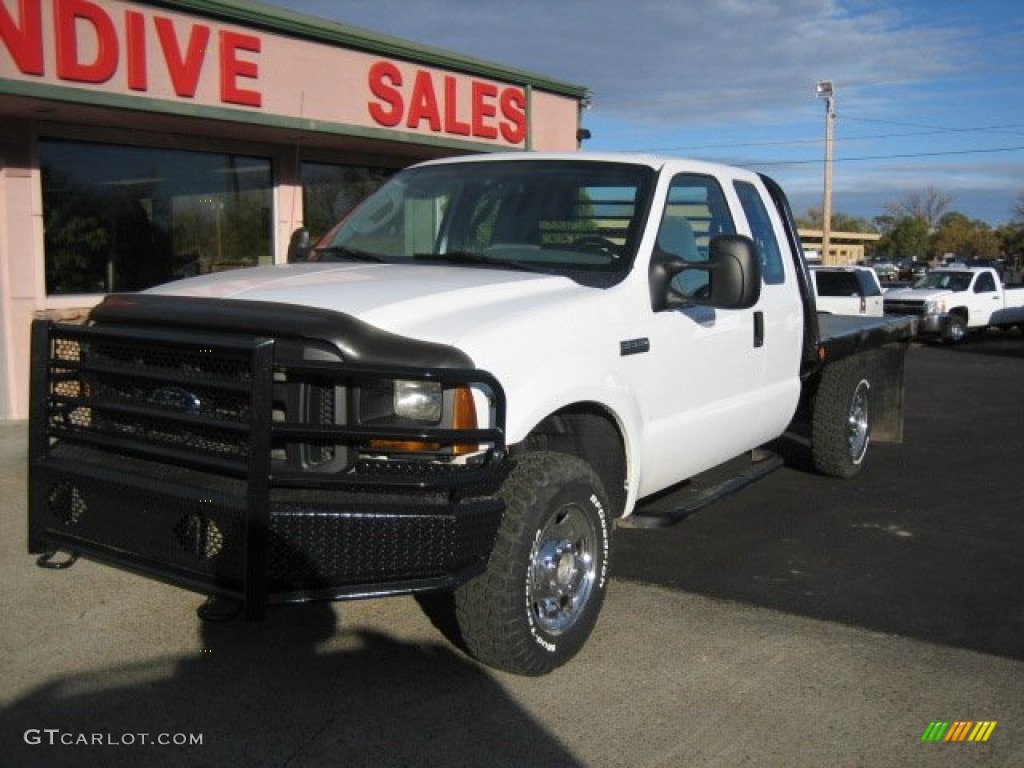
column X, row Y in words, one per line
column 470, row 257
column 348, row 253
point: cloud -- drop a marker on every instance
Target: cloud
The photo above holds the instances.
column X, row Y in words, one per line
column 662, row 61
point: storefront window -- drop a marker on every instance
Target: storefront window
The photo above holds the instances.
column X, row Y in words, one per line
column 120, row 218
column 329, row 192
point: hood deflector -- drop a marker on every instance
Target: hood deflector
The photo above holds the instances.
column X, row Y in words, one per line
column 357, row 341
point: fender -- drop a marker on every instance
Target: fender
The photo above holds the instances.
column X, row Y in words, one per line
column 531, row 401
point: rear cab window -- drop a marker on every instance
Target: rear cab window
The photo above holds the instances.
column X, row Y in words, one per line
column 762, row 231
column 836, row 283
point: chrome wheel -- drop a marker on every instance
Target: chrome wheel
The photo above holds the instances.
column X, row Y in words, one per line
column 538, row 601
column 858, row 422
column 562, row 569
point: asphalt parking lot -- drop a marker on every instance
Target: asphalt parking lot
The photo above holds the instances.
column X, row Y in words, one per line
column 802, row 622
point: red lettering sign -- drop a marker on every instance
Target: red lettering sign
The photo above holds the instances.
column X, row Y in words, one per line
column 433, row 102
column 87, row 48
column 24, row 40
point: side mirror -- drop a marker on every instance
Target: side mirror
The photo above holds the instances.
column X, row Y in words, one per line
column 734, row 276
column 735, row 272
column 300, row 246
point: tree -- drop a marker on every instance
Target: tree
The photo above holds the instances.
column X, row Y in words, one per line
column 1018, row 209
column 907, row 238
column 968, row 239
column 884, row 223
column 841, row 222
column 811, row 219
column 951, row 235
column 928, row 204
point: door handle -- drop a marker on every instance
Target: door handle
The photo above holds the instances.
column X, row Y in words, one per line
column 758, row 329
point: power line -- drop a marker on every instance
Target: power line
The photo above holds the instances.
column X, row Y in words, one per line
column 941, row 129
column 928, row 130
column 950, row 152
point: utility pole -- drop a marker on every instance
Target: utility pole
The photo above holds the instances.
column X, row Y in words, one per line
column 825, row 90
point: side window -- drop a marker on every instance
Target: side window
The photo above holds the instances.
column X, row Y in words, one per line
column 695, row 212
column 763, row 232
column 986, row 283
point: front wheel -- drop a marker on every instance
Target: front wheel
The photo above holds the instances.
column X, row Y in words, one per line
column 841, row 419
column 956, row 333
column 538, row 601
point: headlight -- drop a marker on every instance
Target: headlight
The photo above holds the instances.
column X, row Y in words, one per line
column 419, row 400
column 416, row 404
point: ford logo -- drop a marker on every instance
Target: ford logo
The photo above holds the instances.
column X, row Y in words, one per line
column 177, row 399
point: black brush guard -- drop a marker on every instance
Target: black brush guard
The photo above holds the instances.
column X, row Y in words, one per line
column 226, row 464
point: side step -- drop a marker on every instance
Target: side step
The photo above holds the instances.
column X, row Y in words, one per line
column 674, row 506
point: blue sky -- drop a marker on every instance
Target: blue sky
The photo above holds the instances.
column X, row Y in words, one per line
column 929, row 93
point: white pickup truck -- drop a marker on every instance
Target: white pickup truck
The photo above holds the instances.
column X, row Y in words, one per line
column 951, row 302
column 467, row 386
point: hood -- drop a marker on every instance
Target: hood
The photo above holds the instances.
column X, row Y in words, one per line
column 916, row 294
column 429, row 302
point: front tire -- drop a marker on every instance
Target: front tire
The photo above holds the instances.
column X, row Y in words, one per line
column 841, row 419
column 956, row 333
column 536, row 604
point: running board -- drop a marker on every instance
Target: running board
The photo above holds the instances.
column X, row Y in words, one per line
column 674, row 507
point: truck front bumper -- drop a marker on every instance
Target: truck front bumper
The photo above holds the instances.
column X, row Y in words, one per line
column 935, row 325
column 233, row 466
column 196, row 530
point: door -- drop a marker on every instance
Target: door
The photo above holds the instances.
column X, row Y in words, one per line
column 987, row 301
column 781, row 310
column 698, row 385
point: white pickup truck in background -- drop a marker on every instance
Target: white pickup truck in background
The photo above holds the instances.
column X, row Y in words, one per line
column 471, row 382
column 950, row 302
column 848, row 291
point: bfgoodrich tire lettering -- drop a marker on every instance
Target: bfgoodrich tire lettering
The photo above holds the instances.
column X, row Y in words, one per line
column 537, row 603
column 841, row 421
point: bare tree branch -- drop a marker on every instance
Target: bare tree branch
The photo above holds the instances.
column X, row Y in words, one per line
column 928, row 204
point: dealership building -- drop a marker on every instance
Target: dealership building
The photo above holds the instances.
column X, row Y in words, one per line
column 142, row 142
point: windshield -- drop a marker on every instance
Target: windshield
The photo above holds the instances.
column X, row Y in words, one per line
column 949, row 281
column 572, row 217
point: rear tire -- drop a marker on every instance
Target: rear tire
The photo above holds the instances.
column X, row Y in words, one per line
column 538, row 601
column 841, row 419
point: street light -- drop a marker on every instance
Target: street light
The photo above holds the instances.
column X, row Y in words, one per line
column 825, row 90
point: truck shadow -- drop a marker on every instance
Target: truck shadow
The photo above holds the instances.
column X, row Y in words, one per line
column 993, row 343
column 924, row 543
column 290, row 690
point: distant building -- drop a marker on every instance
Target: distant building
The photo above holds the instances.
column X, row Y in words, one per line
column 843, row 247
